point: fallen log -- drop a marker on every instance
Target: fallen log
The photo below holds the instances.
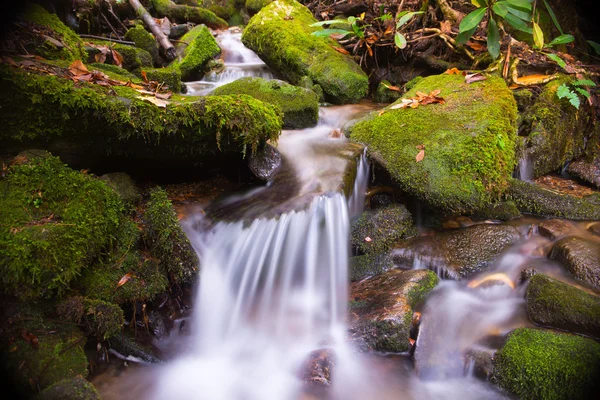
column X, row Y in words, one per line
column 183, row 14
column 163, row 40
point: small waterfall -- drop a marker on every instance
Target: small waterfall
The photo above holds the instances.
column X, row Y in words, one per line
column 524, row 169
column 356, row 202
column 240, row 62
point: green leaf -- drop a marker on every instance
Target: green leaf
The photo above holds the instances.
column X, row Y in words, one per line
column 464, row 36
column 595, row 46
column 583, row 92
column 500, row 8
column 517, row 23
column 526, row 4
column 574, row 100
column 562, row 39
column 553, row 16
column 538, row 36
column 557, row 60
column 563, row 91
column 583, row 82
column 479, row 3
column 493, row 39
column 524, row 15
column 400, row 40
column 405, row 18
column 472, row 20
column 331, row 22
column 328, row 32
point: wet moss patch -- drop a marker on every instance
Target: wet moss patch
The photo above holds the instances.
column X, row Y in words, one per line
column 201, row 47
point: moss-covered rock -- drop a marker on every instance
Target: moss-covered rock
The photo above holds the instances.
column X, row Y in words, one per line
column 128, row 346
column 69, row 46
column 533, row 199
column 185, row 13
column 117, row 121
column 385, row 95
column 166, row 239
column 134, row 58
column 254, row 6
column 113, row 70
column 458, row 253
column 502, row 210
column 70, row 389
column 168, row 77
column 382, row 307
column 556, row 130
column 143, row 40
column 376, row 231
column 280, row 34
column 198, row 48
column 469, row 142
column 537, row 364
column 103, row 320
column 55, row 221
column 581, row 257
column 586, row 171
column 300, row 106
column 556, row 304
column 124, row 186
column 361, row 267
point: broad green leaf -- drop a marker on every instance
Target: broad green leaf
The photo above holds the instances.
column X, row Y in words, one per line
column 331, row 22
column 405, row 18
column 553, row 16
column 538, row 36
column 583, row 82
column 526, row 4
column 524, row 15
column 500, row 8
column 472, row 20
column 557, row 60
column 352, row 20
column 517, row 23
column 493, row 39
column 464, row 36
column 595, row 46
column 400, row 40
column 328, row 32
column 562, row 39
column 563, row 91
column 583, row 92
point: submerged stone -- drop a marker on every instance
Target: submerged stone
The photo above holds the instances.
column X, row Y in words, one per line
column 559, row 305
column 265, row 162
column 382, row 307
column 556, row 228
column 300, row 106
column 538, row 364
column 581, row 257
column 467, row 144
column 281, row 35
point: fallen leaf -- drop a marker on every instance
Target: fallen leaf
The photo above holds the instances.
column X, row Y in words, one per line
column 534, row 79
column 117, row 58
column 157, row 102
column 420, row 156
column 452, row 71
column 416, row 317
column 476, row 77
column 446, row 26
column 394, row 88
column 124, row 279
column 336, row 133
column 368, row 239
column 476, row 45
column 420, row 147
column 164, row 96
column 144, row 76
column 499, row 277
column 341, row 50
column 411, row 341
column 77, row 68
column 100, row 58
column 381, row 113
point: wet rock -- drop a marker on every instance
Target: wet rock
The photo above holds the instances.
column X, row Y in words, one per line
column 368, row 265
column 317, row 369
column 468, row 143
column 300, row 106
column 581, row 257
column 265, row 162
column 459, row 253
column 134, row 349
column 124, row 186
column 158, row 324
column 376, row 231
column 502, row 210
column 70, row 389
column 556, row 228
column 101, row 319
column 382, row 307
column 384, row 94
column 559, row 305
column 538, row 364
column 587, row 171
column 533, row 199
column 595, row 228
column 280, row 34
column 483, row 362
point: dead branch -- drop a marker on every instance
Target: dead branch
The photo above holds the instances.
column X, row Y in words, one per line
column 163, row 40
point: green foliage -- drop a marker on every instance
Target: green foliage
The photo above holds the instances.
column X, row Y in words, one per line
column 571, row 90
column 595, row 46
column 143, row 40
column 358, row 29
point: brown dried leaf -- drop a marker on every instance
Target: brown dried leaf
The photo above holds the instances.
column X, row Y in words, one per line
column 534, row 79
column 394, row 88
column 435, row 92
column 446, row 26
column 77, row 68
column 164, row 96
column 420, row 155
column 476, row 45
column 117, row 58
column 157, row 102
column 144, row 76
column 476, row 77
column 100, row 57
column 341, row 50
column 124, row 279
column 368, row 239
column 421, row 147
column 452, row 71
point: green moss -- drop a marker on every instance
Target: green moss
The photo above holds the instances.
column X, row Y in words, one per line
column 143, row 40
column 124, row 186
column 166, row 239
column 281, row 35
column 536, row 364
column 300, row 106
column 385, row 95
column 556, row 304
column 533, row 199
column 361, row 267
column 134, row 58
column 168, row 77
column 417, row 293
column 70, row 389
column 383, row 228
column 55, row 222
column 412, row 83
column 189, row 128
column 114, row 71
column 254, row 6
column 73, row 49
column 469, row 142
column 103, row 320
column 184, row 13
column 503, row 210
column 201, row 47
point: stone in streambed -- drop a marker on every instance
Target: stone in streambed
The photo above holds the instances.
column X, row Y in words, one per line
column 281, row 35
column 581, row 257
column 559, row 305
column 367, row 265
column 382, row 307
column 70, row 389
column 300, row 106
column 556, row 228
column 265, row 162
column 587, row 171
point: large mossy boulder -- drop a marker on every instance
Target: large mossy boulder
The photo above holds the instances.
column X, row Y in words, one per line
column 281, row 35
column 54, row 222
column 186, row 13
column 103, row 320
column 382, row 307
column 559, row 305
column 117, row 121
column 70, row 389
column 537, row 364
column 533, row 199
column 300, row 106
column 468, row 142
column 581, row 257
column 197, row 48
column 458, row 253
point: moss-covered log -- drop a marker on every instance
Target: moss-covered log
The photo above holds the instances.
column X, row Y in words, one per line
column 185, row 13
